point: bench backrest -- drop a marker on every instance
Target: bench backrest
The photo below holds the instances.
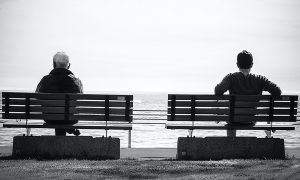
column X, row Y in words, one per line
column 56, row 106
column 239, row 108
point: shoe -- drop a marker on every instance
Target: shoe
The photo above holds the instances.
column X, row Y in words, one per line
column 268, row 134
column 76, row 132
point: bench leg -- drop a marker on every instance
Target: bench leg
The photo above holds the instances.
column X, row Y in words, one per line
column 190, row 132
column 231, row 133
column 28, row 130
column 129, row 138
column 60, row 132
column 268, row 133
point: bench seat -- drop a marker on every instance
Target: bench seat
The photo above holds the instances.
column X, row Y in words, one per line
column 75, row 126
column 221, row 127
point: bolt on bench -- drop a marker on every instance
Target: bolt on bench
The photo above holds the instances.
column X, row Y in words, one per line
column 92, row 111
column 188, row 109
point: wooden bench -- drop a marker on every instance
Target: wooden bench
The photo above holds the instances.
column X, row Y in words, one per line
column 189, row 108
column 92, row 111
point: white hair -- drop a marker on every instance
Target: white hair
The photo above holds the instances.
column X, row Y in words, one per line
column 61, row 60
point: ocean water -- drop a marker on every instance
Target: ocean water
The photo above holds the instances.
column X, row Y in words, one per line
column 149, row 128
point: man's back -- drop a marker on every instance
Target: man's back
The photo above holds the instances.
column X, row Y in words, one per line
column 244, row 83
column 240, row 84
column 60, row 80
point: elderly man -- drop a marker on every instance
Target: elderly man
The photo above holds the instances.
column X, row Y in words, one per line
column 61, row 80
column 244, row 83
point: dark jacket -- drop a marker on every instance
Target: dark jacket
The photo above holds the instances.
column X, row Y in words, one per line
column 239, row 84
column 60, row 80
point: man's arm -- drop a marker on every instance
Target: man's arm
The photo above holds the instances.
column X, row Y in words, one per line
column 76, row 84
column 223, row 86
column 79, row 84
column 271, row 87
column 39, row 86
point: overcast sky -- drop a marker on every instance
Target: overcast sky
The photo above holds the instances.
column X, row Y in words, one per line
column 154, row 45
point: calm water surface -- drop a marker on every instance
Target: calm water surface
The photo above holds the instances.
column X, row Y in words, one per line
column 153, row 135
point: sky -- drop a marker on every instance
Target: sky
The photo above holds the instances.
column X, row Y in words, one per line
column 149, row 45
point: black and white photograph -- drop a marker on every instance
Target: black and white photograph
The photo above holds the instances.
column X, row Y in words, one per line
column 150, row 89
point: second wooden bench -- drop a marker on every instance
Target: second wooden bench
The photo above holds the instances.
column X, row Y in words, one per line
column 191, row 108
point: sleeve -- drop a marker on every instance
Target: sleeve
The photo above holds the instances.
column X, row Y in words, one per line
column 76, row 86
column 223, row 86
column 271, row 87
column 79, row 84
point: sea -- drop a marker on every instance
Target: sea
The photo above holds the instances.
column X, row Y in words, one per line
column 149, row 127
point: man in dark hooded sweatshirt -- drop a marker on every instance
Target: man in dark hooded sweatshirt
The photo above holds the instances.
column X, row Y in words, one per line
column 245, row 83
column 61, row 80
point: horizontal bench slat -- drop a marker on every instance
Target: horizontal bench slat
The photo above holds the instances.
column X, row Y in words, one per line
column 56, row 96
column 38, row 102
column 227, row 104
column 199, row 118
column 99, row 118
column 98, row 110
column 62, row 103
column 264, row 97
column 101, row 103
column 236, row 118
column 179, row 111
column 125, row 127
column 71, row 117
column 227, row 97
column 61, row 110
column 201, row 104
column 100, row 97
column 232, row 127
column 198, row 97
column 237, row 111
column 264, row 104
column 35, row 109
column 61, row 96
column 249, row 111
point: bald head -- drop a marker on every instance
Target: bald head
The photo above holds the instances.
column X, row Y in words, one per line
column 61, row 60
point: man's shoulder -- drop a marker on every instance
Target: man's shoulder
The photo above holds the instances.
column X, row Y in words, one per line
column 77, row 82
column 45, row 83
column 74, row 78
column 231, row 75
column 47, row 77
column 258, row 76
